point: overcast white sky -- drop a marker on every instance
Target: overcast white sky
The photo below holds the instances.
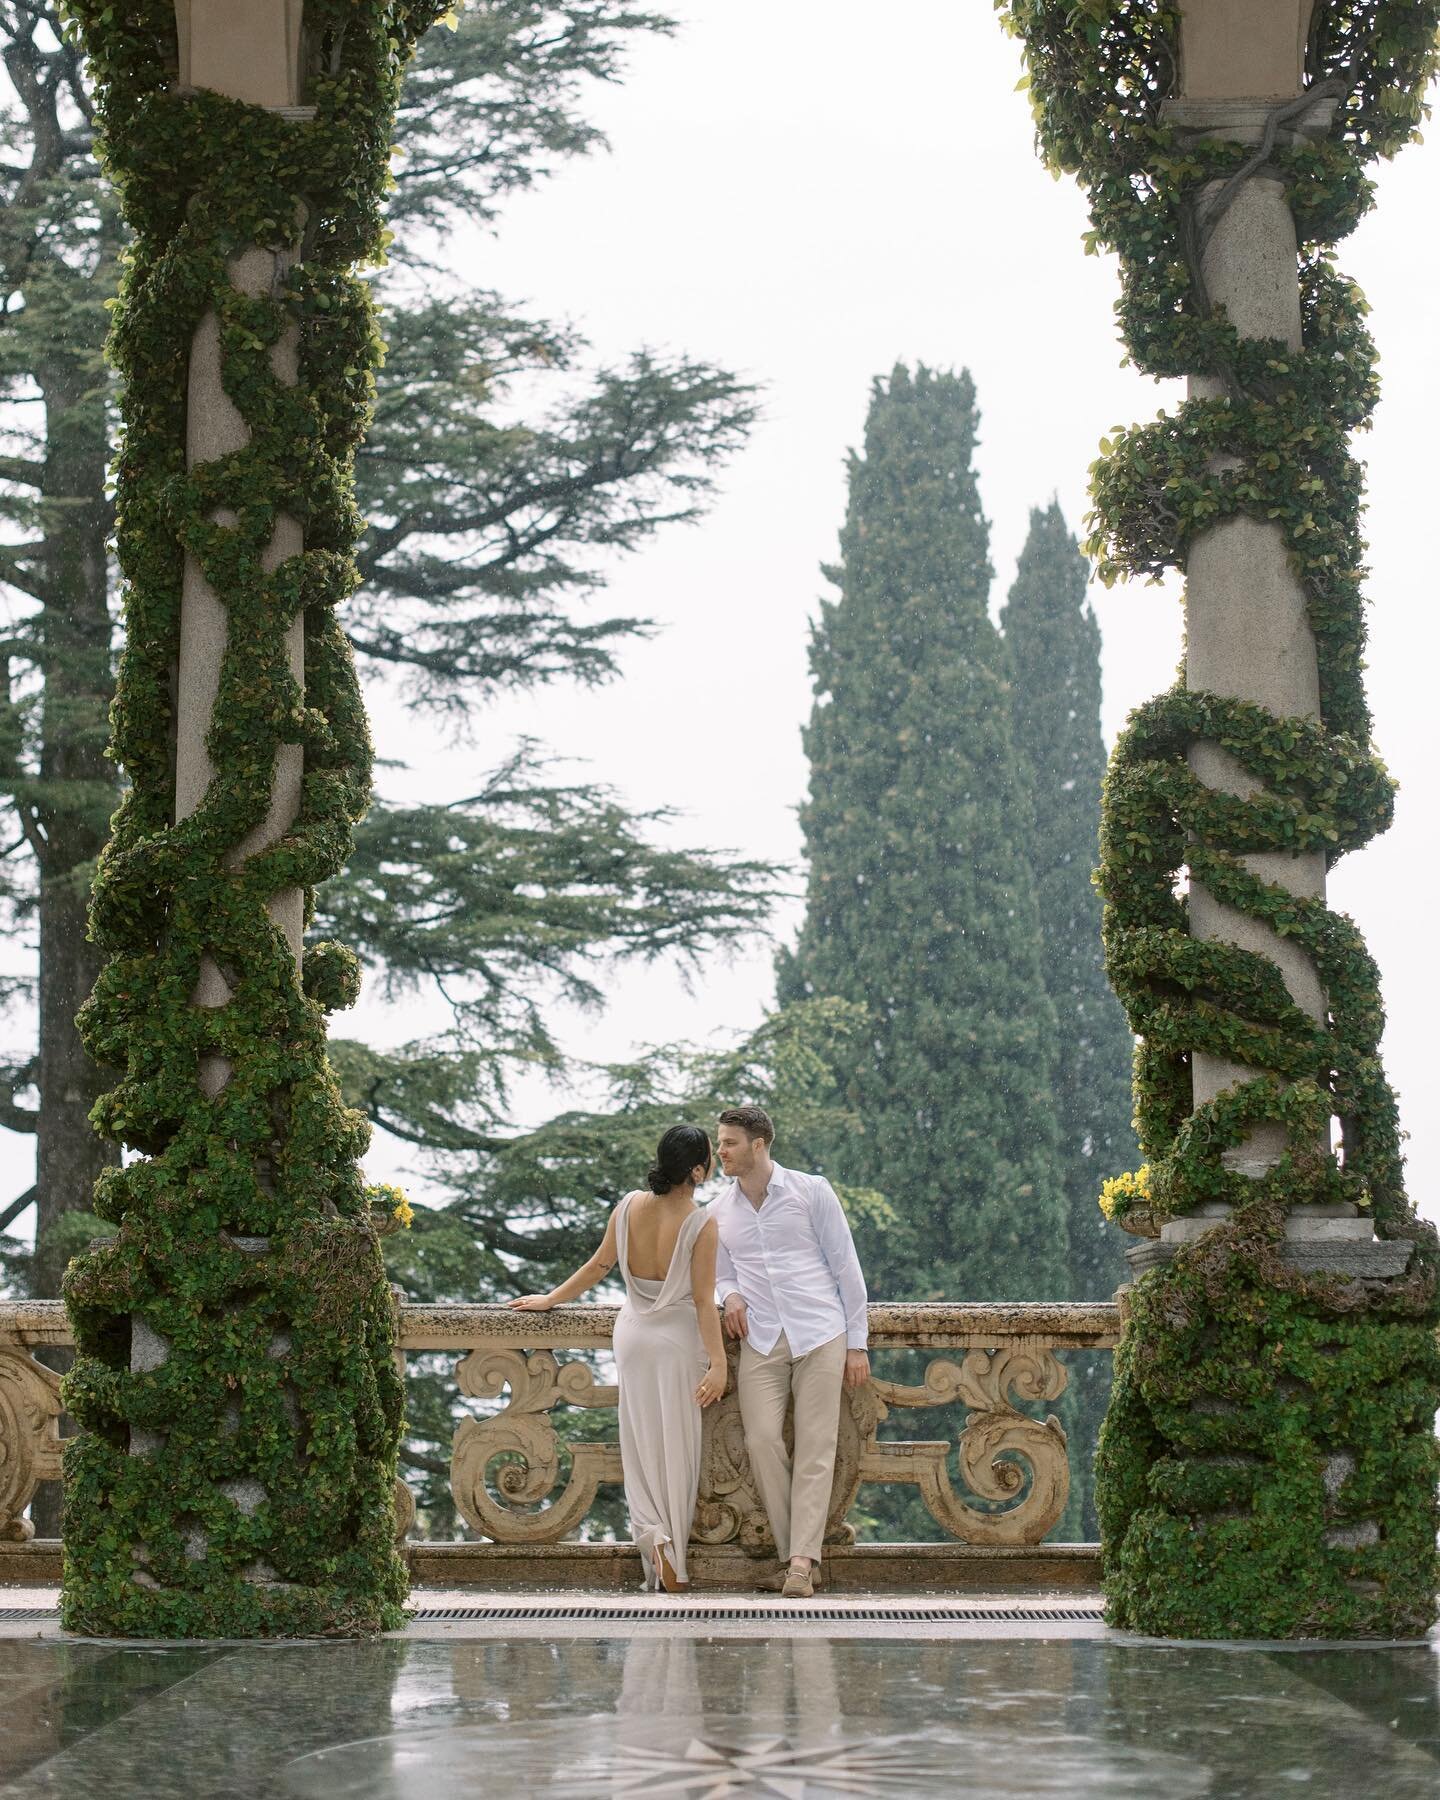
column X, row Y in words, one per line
column 807, row 192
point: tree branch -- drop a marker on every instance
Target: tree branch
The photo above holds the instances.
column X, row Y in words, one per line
column 13, row 1211
column 22, row 470
column 14, row 576
column 431, row 1465
column 13, row 1116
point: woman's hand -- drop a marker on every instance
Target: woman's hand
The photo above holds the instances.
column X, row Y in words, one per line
column 531, row 1303
column 712, row 1385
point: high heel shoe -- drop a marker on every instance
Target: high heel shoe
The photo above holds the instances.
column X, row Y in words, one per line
column 668, row 1578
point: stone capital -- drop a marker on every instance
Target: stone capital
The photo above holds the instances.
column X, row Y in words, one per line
column 1243, row 47
column 246, row 49
column 1243, row 121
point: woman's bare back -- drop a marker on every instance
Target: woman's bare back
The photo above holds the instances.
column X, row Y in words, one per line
column 653, row 1226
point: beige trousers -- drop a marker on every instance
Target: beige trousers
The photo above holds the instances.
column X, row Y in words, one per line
column 796, row 1490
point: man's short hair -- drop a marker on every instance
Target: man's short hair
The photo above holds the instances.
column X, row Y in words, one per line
column 754, row 1121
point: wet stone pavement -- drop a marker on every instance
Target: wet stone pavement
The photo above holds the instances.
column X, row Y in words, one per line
column 681, row 1714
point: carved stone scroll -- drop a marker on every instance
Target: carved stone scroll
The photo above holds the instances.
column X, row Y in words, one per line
column 507, row 1466
column 728, row 1510
column 984, row 1380
column 30, row 1446
column 524, row 1435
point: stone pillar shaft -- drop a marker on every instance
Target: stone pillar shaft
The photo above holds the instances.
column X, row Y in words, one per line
column 247, row 50
column 214, row 428
column 1247, row 630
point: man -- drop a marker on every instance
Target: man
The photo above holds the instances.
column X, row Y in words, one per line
column 790, row 1283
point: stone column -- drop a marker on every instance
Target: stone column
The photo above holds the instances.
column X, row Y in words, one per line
column 1266, row 1468
column 1247, row 628
column 214, row 428
column 235, row 1386
column 247, row 50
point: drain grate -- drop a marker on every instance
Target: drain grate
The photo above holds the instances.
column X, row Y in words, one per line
column 702, row 1615
column 725, row 1615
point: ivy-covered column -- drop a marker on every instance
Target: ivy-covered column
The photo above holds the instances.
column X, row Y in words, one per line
column 1247, row 629
column 1268, row 1465
column 234, row 1380
column 250, row 53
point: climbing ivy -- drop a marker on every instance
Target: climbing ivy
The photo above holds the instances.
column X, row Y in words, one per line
column 1268, row 1463
column 235, row 1471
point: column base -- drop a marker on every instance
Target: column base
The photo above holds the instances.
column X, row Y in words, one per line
column 1319, row 1240
column 1268, row 1463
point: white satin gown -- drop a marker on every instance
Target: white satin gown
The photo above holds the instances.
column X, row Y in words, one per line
column 660, row 1357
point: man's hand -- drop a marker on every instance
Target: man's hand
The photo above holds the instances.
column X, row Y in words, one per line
column 737, row 1318
column 857, row 1369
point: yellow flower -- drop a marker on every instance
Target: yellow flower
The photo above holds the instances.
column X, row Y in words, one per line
column 386, row 1198
column 1121, row 1192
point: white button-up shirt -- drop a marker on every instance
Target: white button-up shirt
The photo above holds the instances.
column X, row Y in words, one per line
column 792, row 1261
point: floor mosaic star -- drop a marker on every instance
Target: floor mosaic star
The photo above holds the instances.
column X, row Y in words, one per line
column 764, row 1766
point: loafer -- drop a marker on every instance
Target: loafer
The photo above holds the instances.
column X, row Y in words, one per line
column 798, row 1585
column 773, row 1582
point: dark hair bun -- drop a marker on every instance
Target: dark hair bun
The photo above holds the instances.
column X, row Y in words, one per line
column 683, row 1149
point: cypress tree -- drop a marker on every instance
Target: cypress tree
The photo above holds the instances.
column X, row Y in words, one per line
column 1054, row 644
column 920, row 901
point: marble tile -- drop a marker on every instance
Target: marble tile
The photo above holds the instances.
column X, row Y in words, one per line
column 225, row 1724
column 60, row 1694
column 693, row 1715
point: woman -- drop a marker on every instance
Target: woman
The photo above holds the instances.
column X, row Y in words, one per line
column 667, row 1328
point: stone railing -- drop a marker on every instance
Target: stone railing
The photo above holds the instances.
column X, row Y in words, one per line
column 30, row 1408
column 506, row 1467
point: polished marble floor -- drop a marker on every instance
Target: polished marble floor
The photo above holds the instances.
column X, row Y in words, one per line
column 682, row 1714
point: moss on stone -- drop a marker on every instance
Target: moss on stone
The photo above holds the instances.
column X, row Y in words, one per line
column 243, row 1485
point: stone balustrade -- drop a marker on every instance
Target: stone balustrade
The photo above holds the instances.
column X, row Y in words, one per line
column 30, row 1409
column 506, row 1467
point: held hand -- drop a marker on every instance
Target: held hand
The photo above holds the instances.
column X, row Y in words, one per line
column 857, row 1369
column 712, row 1385
column 737, row 1319
column 531, row 1303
